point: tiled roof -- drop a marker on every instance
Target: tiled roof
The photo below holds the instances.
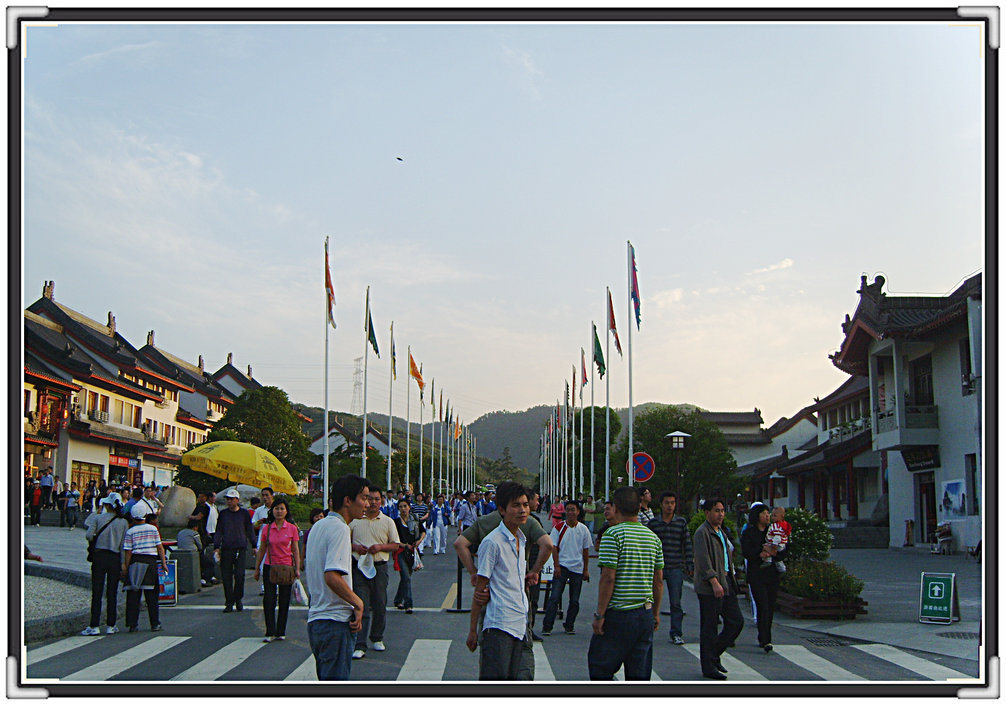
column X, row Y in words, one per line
column 30, row 438
column 733, row 417
column 751, row 439
column 828, row 453
column 850, row 388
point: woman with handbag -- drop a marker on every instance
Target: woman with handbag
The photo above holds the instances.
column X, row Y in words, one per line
column 410, row 535
column 279, row 551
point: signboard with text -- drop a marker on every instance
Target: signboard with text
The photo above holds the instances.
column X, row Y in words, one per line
column 167, row 585
column 938, row 599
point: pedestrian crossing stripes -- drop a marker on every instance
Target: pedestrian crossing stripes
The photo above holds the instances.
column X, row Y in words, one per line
column 59, row 647
column 428, row 659
column 223, row 660
column 926, row 669
column 114, row 665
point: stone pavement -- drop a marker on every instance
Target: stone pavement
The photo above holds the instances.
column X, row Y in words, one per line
column 892, row 578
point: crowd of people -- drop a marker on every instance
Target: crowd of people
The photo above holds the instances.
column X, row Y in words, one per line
column 347, row 553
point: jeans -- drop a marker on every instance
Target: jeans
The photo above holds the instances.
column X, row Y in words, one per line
column 274, row 626
column 374, row 593
column 104, row 578
column 674, row 578
column 575, row 581
column 332, row 645
column 504, row 657
column 711, row 644
column 627, row 641
column 232, row 570
column 404, row 595
column 71, row 516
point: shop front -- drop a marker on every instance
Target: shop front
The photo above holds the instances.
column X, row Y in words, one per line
column 124, row 469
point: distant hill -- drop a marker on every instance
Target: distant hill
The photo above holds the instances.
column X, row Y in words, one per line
column 517, row 430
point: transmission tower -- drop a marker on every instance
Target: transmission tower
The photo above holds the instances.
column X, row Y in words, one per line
column 357, row 406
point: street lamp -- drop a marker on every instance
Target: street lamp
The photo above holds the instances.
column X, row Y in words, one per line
column 771, row 485
column 678, row 443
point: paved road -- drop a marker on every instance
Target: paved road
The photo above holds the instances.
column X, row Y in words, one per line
column 200, row 643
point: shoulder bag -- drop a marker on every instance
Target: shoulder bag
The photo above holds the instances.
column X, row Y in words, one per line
column 278, row 574
column 93, row 541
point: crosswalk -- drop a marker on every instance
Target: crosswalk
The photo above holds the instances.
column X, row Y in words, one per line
column 245, row 658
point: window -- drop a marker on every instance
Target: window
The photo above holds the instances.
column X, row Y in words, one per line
column 103, row 403
column 137, row 417
column 973, row 483
column 117, row 416
column 27, row 401
column 921, row 376
column 967, row 386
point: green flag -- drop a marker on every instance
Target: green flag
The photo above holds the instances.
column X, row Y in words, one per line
column 370, row 334
column 598, row 355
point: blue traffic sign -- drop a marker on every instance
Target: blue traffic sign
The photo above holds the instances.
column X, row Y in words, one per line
column 643, row 467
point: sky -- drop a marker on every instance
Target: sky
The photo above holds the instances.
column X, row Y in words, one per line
column 185, row 177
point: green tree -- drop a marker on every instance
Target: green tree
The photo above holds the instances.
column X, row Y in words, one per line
column 707, row 467
column 599, row 414
column 264, row 417
column 200, row 481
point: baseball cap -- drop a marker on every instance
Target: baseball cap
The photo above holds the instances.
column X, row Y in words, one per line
column 232, row 493
column 140, row 510
column 365, row 563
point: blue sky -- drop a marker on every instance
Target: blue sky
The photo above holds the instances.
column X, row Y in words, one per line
column 185, row 177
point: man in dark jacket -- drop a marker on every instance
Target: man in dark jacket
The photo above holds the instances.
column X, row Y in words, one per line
column 231, row 541
column 672, row 530
column 716, row 588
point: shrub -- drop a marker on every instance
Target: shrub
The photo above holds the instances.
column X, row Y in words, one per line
column 822, row 580
column 700, row 516
column 300, row 508
column 811, row 537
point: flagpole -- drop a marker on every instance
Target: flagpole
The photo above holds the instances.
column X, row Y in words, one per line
column 433, row 437
column 328, row 318
column 565, row 447
column 421, row 407
column 628, row 258
column 607, row 403
column 441, row 483
column 366, row 357
column 391, row 389
column 408, row 420
column 582, row 370
column 593, row 367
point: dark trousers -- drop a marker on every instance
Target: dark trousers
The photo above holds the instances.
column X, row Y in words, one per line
column 105, row 571
column 404, row 595
column 374, row 593
column 46, row 494
column 627, row 641
column 275, row 626
column 764, row 593
column 150, row 596
column 35, row 514
column 332, row 645
column 504, row 657
column 71, row 515
column 575, row 581
column 711, row 644
column 232, row 571
column 62, row 513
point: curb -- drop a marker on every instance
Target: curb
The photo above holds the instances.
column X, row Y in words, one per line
column 63, row 624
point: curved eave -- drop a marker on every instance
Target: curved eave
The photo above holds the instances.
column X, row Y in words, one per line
column 854, row 347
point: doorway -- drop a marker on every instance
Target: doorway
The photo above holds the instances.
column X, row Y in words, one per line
column 927, row 506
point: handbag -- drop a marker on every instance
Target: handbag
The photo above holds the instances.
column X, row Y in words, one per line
column 93, row 541
column 278, row 574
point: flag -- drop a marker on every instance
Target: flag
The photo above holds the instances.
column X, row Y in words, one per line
column 583, row 369
column 369, row 327
column 448, row 414
column 394, row 372
column 329, row 289
column 457, row 428
column 611, row 324
column 422, row 384
column 417, row 374
column 598, row 354
column 634, row 284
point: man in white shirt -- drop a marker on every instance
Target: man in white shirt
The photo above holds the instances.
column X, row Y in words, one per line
column 259, row 519
column 336, row 611
column 506, row 651
column 211, row 518
column 374, row 535
column 571, row 555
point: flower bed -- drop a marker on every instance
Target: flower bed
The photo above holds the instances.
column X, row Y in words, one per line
column 820, row 589
column 808, row 608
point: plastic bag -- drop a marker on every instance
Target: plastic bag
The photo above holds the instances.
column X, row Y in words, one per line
column 298, row 593
column 417, row 562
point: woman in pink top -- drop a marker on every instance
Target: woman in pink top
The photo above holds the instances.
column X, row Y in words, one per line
column 279, row 544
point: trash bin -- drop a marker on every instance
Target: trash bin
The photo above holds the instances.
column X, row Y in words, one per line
column 188, row 570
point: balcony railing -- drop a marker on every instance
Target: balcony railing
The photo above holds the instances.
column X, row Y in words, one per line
column 915, row 417
column 100, row 416
column 849, row 429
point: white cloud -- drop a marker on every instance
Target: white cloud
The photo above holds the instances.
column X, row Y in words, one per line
column 665, row 299
column 785, row 264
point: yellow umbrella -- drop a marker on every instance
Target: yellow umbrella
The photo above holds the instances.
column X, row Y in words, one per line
column 241, row 463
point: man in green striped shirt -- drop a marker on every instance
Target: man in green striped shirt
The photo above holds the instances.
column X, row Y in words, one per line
column 628, row 599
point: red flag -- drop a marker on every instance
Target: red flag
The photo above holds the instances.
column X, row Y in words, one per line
column 611, row 324
column 329, row 289
column 416, row 374
column 634, row 284
column 583, row 369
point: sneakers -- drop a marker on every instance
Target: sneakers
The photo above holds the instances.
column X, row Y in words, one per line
column 359, row 654
column 156, row 628
column 214, row 580
column 379, row 646
column 279, row 638
column 203, row 583
column 92, row 631
column 677, row 640
column 546, row 632
column 408, row 610
column 569, row 630
column 112, row 630
column 767, row 647
column 267, row 638
column 780, row 566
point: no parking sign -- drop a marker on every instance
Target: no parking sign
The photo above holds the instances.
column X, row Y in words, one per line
column 643, row 467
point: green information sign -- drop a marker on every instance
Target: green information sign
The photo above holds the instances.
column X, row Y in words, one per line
column 938, row 599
